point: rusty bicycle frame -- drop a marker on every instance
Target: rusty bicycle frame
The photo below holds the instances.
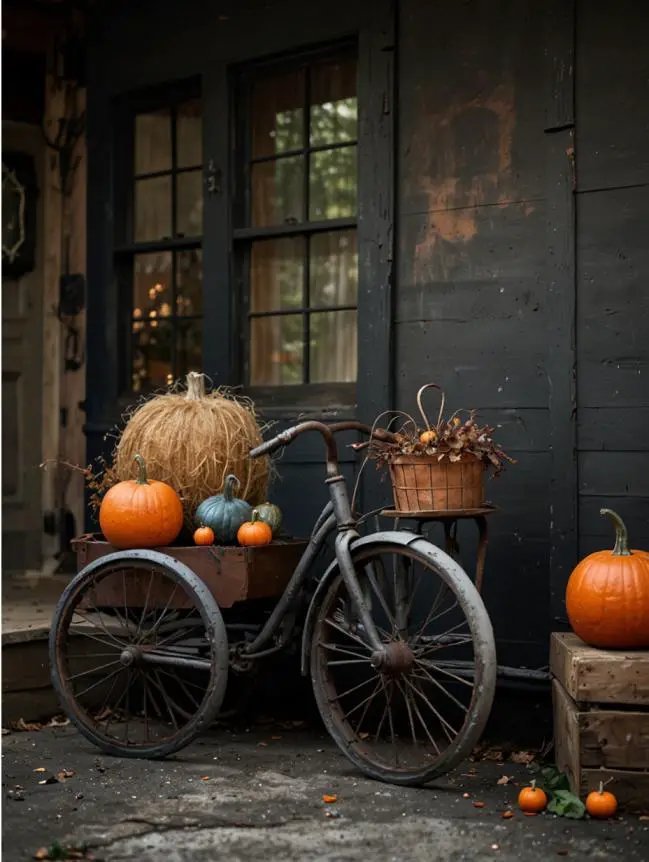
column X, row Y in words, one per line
column 337, row 514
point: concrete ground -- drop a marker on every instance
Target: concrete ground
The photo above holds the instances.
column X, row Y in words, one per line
column 257, row 795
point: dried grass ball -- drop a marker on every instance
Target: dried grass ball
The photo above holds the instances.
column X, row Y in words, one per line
column 192, row 440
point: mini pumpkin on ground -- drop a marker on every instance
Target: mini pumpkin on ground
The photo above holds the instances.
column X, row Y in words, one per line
column 532, row 799
column 600, row 803
column 140, row 513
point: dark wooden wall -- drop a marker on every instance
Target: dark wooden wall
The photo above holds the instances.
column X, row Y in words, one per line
column 612, row 160
column 521, row 171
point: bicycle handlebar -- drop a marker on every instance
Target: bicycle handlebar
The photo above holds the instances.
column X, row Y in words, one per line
column 327, row 431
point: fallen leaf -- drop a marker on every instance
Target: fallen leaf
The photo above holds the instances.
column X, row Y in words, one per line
column 42, row 853
column 64, row 773
column 205, row 778
column 329, row 798
column 363, row 735
column 504, row 779
column 333, row 813
column 466, row 796
column 58, row 721
column 27, row 726
column 51, row 779
column 478, row 804
column 276, row 737
column 495, row 846
column 507, row 814
column 105, row 713
column 644, row 817
column 529, row 813
column 522, row 756
column 262, row 744
column 40, row 769
column 5, row 731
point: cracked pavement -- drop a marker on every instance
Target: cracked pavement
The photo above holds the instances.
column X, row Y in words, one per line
column 257, row 795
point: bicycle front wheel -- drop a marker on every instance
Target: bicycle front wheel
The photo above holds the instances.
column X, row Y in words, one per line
column 418, row 715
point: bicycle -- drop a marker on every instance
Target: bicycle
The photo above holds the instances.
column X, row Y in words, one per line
column 380, row 674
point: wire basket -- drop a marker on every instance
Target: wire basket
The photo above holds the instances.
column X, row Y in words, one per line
column 422, row 483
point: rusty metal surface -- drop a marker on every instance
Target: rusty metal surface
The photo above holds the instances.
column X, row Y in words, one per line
column 231, row 574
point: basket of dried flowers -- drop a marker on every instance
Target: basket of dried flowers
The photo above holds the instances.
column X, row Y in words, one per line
column 442, row 466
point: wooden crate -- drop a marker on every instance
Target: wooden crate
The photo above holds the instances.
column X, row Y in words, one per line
column 601, row 719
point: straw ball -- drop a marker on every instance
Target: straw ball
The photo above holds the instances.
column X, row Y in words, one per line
column 192, row 440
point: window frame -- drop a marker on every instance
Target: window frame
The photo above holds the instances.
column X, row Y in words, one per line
column 124, row 248
column 319, row 397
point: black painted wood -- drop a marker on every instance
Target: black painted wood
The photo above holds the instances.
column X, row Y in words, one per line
column 376, row 225
column 561, row 363
column 612, row 94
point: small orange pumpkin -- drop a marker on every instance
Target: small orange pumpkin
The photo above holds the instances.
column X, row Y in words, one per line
column 139, row 513
column 204, row 536
column 532, row 799
column 254, row 532
column 607, row 597
column 600, row 803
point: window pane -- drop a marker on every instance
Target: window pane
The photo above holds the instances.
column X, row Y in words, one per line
column 152, row 285
column 278, row 114
column 189, row 348
column 277, row 275
column 189, row 134
column 152, row 209
column 333, row 268
column 189, row 204
column 276, row 350
column 333, row 103
column 277, row 192
column 151, row 355
column 152, row 144
column 333, row 347
column 189, row 282
column 332, row 184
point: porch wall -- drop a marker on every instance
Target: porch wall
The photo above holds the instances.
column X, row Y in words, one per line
column 520, row 240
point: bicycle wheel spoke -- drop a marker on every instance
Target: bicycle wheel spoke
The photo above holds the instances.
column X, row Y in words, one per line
column 377, row 592
column 368, row 700
column 173, row 675
column 156, row 625
column 345, row 632
column 425, row 726
column 438, row 685
column 146, row 605
column 445, row 725
column 407, row 702
column 93, row 670
column 99, row 682
column 353, row 689
column 437, row 667
column 112, row 640
column 345, row 651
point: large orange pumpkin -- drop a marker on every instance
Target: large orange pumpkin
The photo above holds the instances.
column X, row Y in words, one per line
column 607, row 598
column 140, row 513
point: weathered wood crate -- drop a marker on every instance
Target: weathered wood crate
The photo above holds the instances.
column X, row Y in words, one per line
column 601, row 719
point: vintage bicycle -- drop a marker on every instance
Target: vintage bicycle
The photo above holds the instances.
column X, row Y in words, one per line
column 394, row 635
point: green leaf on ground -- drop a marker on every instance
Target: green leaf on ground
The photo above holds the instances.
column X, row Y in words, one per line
column 566, row 804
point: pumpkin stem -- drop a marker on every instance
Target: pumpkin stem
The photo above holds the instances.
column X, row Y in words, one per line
column 601, row 787
column 195, row 386
column 254, row 517
column 142, row 478
column 533, row 784
column 621, row 548
column 228, row 485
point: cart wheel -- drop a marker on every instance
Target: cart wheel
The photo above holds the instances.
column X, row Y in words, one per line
column 139, row 654
column 422, row 712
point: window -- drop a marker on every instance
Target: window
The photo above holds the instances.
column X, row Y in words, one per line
column 295, row 223
column 160, row 227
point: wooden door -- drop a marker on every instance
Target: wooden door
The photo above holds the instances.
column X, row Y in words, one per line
column 22, row 336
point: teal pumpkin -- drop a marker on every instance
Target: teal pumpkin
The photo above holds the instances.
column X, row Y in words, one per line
column 270, row 514
column 224, row 513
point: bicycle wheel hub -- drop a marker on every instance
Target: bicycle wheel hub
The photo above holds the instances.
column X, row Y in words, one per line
column 395, row 658
column 129, row 656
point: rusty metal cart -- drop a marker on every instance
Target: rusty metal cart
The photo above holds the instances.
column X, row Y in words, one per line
column 141, row 653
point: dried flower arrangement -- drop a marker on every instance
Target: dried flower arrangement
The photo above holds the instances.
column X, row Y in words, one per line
column 453, row 438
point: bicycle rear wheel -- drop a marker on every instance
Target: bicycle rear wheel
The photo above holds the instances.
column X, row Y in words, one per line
column 420, row 714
